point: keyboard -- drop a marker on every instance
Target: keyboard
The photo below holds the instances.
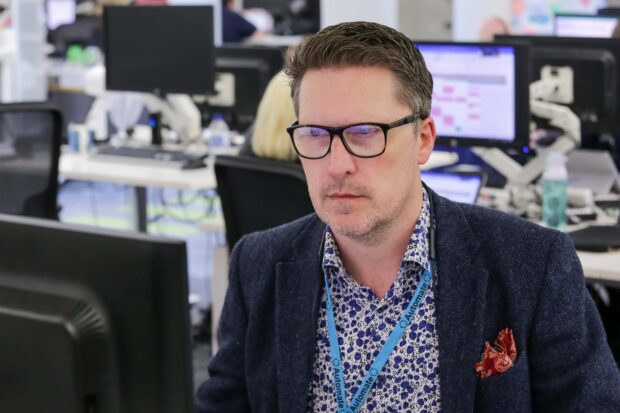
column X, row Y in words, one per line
column 147, row 154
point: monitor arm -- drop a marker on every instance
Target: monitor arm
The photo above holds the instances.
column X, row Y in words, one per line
column 179, row 112
column 558, row 115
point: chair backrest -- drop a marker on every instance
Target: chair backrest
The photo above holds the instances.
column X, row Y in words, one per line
column 30, row 136
column 258, row 194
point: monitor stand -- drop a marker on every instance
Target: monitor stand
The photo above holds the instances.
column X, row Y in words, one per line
column 155, row 125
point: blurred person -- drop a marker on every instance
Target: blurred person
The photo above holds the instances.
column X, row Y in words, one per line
column 275, row 113
column 235, row 28
column 491, row 27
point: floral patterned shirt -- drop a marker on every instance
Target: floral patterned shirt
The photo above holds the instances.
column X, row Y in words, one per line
column 409, row 382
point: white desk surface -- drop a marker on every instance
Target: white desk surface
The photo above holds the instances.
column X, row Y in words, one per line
column 601, row 266
column 439, row 159
column 75, row 166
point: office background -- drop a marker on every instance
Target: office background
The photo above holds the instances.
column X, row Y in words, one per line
column 55, row 50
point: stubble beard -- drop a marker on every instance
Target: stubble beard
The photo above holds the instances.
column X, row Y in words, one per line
column 373, row 225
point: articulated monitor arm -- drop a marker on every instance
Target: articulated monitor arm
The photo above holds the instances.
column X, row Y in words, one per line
column 558, row 115
column 179, row 112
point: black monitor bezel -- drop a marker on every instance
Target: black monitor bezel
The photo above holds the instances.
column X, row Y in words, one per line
column 522, row 101
column 208, row 86
column 609, row 11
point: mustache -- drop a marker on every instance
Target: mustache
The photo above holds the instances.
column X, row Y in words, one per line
column 344, row 187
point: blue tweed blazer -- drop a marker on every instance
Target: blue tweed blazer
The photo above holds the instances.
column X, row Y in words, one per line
column 494, row 271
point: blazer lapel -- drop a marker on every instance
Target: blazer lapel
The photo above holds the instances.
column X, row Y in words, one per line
column 460, row 295
column 298, row 290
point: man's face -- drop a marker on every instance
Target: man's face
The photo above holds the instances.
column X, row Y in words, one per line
column 360, row 198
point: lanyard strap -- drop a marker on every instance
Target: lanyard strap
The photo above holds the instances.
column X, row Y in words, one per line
column 391, row 343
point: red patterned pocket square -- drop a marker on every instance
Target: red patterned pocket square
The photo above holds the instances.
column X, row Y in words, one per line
column 498, row 358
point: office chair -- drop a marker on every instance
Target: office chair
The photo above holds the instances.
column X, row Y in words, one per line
column 29, row 153
column 259, row 193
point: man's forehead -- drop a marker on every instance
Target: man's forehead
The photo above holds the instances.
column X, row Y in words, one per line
column 361, row 91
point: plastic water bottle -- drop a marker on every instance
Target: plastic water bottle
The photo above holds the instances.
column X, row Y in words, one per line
column 219, row 134
column 555, row 183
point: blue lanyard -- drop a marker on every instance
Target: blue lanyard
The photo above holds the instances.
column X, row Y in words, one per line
column 376, row 367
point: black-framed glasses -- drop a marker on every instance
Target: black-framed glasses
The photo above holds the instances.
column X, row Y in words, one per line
column 364, row 140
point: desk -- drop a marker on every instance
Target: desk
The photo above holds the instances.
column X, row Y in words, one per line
column 603, row 267
column 138, row 175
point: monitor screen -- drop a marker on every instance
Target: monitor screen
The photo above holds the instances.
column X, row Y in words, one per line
column 480, row 93
column 92, row 320
column 159, row 49
column 458, row 187
column 584, row 25
column 59, row 12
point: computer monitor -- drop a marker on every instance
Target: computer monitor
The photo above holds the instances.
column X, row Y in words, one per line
column 251, row 77
column 584, row 25
column 159, row 49
column 92, row 320
column 456, row 186
column 605, row 123
column 217, row 14
column 59, row 12
column 480, row 93
column 273, row 57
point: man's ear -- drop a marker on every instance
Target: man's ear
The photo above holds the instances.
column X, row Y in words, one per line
column 427, row 140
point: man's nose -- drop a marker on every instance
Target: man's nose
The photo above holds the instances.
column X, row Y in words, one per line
column 340, row 161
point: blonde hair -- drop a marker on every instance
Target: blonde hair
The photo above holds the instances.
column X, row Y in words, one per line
column 275, row 113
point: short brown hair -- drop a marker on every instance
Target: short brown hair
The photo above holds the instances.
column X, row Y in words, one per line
column 368, row 45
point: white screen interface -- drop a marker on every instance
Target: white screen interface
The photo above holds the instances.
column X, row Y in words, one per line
column 585, row 26
column 60, row 12
column 474, row 90
column 455, row 187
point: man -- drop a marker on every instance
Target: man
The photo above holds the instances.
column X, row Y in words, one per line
column 384, row 300
column 235, row 28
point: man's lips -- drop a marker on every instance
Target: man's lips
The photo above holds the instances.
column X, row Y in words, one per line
column 343, row 195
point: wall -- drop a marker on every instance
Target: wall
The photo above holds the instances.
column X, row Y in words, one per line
column 469, row 15
column 418, row 19
column 337, row 11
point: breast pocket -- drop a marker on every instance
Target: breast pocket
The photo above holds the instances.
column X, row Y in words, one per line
column 506, row 392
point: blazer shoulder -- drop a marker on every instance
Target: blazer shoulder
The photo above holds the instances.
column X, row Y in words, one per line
column 287, row 242
column 491, row 223
column 499, row 236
